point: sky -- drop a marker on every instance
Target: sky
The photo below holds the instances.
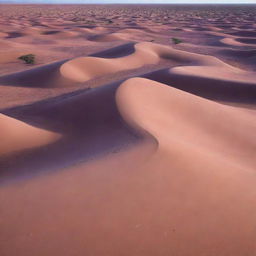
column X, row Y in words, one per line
column 130, row 1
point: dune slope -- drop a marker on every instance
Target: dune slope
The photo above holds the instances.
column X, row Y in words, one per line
column 169, row 115
column 174, row 194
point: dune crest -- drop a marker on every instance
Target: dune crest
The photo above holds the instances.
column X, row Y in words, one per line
column 168, row 115
column 16, row 136
column 85, row 68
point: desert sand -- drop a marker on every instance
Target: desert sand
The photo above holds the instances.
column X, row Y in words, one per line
column 117, row 141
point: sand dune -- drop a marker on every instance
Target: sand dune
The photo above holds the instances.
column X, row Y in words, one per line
column 17, row 136
column 108, row 37
column 191, row 171
column 147, row 105
column 214, row 88
column 45, row 76
column 86, row 68
column 234, row 42
column 120, row 141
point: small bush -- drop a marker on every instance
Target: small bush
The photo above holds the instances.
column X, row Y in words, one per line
column 28, row 58
column 176, row 40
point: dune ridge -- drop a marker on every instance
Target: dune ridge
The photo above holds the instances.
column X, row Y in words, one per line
column 86, row 68
column 145, row 105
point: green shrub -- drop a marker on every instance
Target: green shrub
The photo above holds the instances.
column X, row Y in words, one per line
column 176, row 40
column 28, row 58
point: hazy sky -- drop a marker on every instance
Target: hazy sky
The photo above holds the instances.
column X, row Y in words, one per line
column 128, row 1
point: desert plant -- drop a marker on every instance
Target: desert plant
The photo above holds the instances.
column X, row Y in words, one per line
column 109, row 21
column 28, row 58
column 176, row 40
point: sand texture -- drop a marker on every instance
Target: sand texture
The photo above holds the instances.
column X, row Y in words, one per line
column 118, row 142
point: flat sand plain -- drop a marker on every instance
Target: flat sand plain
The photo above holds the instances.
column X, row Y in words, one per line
column 118, row 142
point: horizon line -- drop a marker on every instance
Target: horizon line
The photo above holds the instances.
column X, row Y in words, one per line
column 113, row 3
